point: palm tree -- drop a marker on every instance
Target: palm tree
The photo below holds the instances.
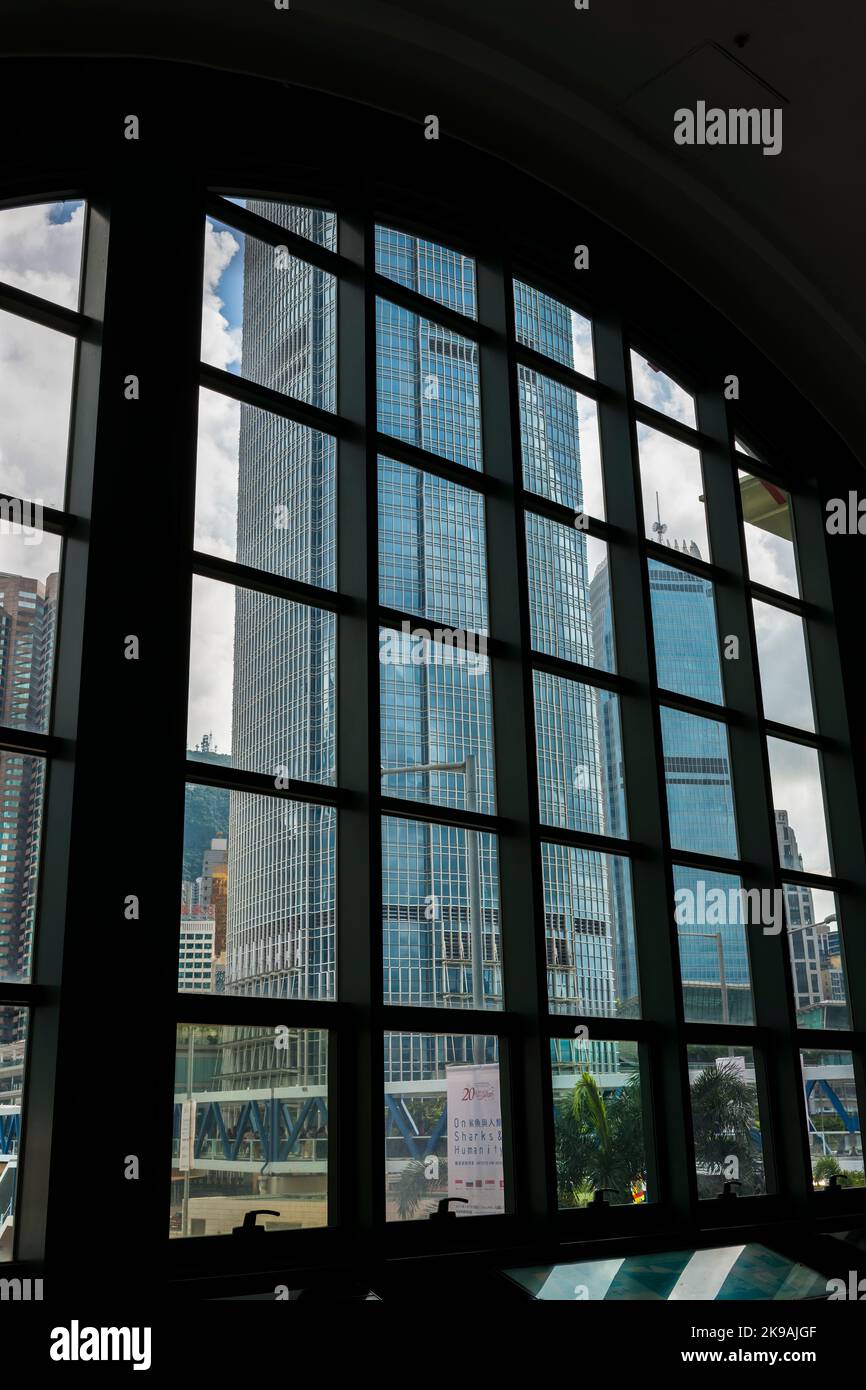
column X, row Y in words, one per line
column 726, row 1123
column 599, row 1143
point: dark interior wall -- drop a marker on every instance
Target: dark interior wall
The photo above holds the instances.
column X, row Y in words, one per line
column 583, row 100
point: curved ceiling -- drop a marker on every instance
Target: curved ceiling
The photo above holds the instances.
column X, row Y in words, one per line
column 584, row 99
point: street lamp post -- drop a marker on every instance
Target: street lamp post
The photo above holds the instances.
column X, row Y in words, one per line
column 469, row 767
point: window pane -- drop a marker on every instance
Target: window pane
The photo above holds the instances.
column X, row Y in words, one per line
column 250, row 1129
column 698, row 783
column 29, row 588
column 832, row 1118
column 22, row 792
column 40, row 250
column 559, row 443
column 258, row 896
column 427, row 385
column 261, row 683
column 798, row 799
column 726, row 1120
column 440, row 903
column 436, row 713
column 785, row 685
column 817, row 958
column 316, row 224
column 432, row 270
column 579, row 754
column 550, row 327
column 655, row 388
column 569, row 593
column 673, row 492
column 598, row 1122
column 712, row 916
column 432, row 551
column 443, row 1125
column 769, row 534
column 589, row 933
column 265, row 491
column 36, row 369
column 269, row 317
column 13, row 1053
column 685, row 633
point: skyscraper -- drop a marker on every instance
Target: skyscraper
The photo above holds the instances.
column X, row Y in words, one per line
column 28, row 611
column 436, row 705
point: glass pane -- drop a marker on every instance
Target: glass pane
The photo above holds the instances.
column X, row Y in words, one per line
column 698, row 783
column 432, row 550
column 724, row 1274
column 798, row 799
column 785, row 684
column 269, row 317
column 559, row 443
column 265, row 491
column 40, row 250
column 673, row 493
column 29, row 588
column 726, row 1120
column 261, row 684
column 316, row 224
column 769, row 534
column 432, row 270
column 579, row 753
column 440, row 913
column 570, row 612
column 427, row 385
column 22, row 793
column 258, row 895
column 443, row 1125
column 712, row 914
column 685, row 633
column 550, row 327
column 655, row 388
column 817, row 957
column 589, row 933
column 13, row 1055
column 36, row 369
column 436, row 714
column 250, row 1129
column 598, row 1123
column 832, row 1119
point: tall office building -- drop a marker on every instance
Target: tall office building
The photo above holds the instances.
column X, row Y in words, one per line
column 28, row 611
column 436, row 696
column 282, row 909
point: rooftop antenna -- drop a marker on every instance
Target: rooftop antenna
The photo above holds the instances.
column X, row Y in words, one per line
column 658, row 525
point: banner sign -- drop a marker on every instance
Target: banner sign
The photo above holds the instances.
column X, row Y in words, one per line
column 475, row 1139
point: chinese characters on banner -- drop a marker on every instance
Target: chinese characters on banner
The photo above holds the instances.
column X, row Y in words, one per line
column 475, row 1139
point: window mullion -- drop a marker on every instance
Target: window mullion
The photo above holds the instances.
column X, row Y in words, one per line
column 671, row 1169
column 523, row 948
column 784, row 1148
column 355, row 1170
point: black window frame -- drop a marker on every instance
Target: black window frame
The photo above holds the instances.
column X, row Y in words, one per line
column 372, row 168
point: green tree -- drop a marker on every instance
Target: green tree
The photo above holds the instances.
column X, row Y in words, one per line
column 724, row 1117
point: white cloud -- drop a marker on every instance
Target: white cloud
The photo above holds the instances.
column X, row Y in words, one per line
column 211, row 662
column 220, row 342
column 40, row 256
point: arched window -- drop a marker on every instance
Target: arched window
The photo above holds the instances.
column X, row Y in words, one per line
column 443, row 613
